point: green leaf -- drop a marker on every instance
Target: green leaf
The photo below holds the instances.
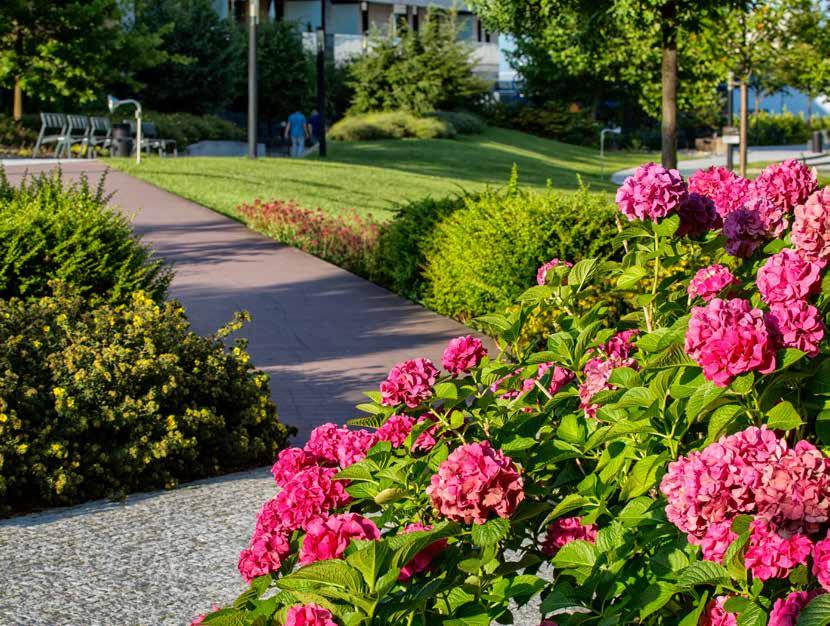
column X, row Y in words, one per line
column 817, row 612
column 637, row 511
column 655, row 597
column 703, row 396
column 490, row 532
column 569, row 503
column 446, row 390
column 517, row 444
column 356, row 472
column 643, row 476
column 332, row 573
column 576, row 554
column 536, row 294
column 720, row 419
column 742, row 385
column 783, row 416
column 473, row 614
column 372, row 560
column 820, row 383
column 581, row 273
column 227, row 617
column 631, row 276
column 702, row 573
column 668, row 225
column 752, row 615
column 786, row 358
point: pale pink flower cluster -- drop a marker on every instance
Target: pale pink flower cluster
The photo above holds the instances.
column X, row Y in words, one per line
column 772, row 553
column 715, row 541
column 474, row 482
column 788, row 276
column 821, row 562
column 796, row 324
column 786, row 184
column 463, row 354
column 785, row 611
column 728, row 338
column 264, row 555
column 396, row 429
column 715, row 615
column 309, row 615
column 542, row 272
column 616, row 352
column 727, row 190
column 409, row 383
column 651, row 193
column 709, row 281
column 564, row 530
column 328, row 538
column 426, row 440
column 811, row 228
column 422, row 561
column 698, row 216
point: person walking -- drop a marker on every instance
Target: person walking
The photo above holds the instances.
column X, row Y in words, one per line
column 297, row 129
column 315, row 126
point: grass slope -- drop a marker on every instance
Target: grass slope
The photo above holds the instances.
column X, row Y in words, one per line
column 373, row 176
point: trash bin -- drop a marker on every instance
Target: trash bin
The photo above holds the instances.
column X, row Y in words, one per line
column 816, row 145
column 122, row 142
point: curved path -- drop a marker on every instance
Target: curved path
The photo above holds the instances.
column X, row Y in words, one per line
column 322, row 334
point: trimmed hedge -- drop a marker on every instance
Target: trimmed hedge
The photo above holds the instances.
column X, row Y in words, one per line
column 51, row 231
column 392, row 125
column 186, row 128
column 100, row 402
column 483, row 256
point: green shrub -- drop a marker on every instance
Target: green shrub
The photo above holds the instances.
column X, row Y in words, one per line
column 186, row 128
column 51, row 231
column 99, row 402
column 400, row 253
column 767, row 129
column 484, row 255
column 391, row 125
column 554, row 120
column 15, row 133
column 464, row 123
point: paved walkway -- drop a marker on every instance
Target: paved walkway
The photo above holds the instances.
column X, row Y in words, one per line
column 321, row 333
column 757, row 154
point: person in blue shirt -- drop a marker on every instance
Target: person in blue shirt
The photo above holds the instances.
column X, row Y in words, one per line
column 297, row 129
column 315, row 126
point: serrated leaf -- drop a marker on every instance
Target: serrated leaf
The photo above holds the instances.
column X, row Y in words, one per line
column 490, row 532
column 703, row 396
column 330, row 573
column 742, row 385
column 581, row 273
column 817, row 612
column 371, row 560
column 752, row 615
column 569, row 503
column 655, row 597
column 631, row 276
column 788, row 357
column 720, row 419
column 783, row 416
column 576, row 554
column 517, row 444
column 668, row 225
column 643, row 475
column 702, row 573
column 446, row 390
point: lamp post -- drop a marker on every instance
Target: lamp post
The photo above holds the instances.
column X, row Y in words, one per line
column 112, row 104
column 253, row 12
column 321, row 76
column 616, row 130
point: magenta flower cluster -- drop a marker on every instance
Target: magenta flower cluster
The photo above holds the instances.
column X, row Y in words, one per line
column 463, row 354
column 651, row 193
column 710, row 281
column 811, row 227
column 542, row 272
column 727, row 190
column 597, row 371
column 565, row 530
column 309, row 615
column 409, row 383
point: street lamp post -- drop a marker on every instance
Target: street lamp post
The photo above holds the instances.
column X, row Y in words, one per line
column 253, row 11
column 321, row 77
column 614, row 131
column 112, row 104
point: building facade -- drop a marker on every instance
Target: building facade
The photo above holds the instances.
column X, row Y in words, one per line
column 349, row 22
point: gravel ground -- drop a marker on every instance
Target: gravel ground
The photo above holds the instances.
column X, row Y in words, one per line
column 152, row 559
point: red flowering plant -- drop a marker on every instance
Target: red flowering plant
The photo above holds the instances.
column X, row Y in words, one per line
column 672, row 468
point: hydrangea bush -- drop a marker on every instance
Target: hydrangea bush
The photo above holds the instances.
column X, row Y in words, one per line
column 672, row 470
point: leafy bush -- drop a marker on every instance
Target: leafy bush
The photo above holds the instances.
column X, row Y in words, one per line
column 482, row 256
column 48, row 231
column 347, row 239
column 554, row 120
column 391, row 125
column 671, row 471
column 772, row 129
column 99, row 402
column 403, row 241
column 464, row 123
column 15, row 134
column 186, row 128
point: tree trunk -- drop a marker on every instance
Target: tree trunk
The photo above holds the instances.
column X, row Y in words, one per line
column 744, row 124
column 17, row 109
column 669, row 81
column 810, row 111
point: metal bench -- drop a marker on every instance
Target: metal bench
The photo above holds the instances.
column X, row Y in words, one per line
column 99, row 135
column 150, row 140
column 75, row 132
column 52, row 131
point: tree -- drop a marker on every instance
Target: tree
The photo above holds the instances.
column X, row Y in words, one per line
column 630, row 41
column 69, row 50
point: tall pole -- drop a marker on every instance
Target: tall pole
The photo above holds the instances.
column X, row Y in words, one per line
column 321, row 76
column 744, row 124
column 253, row 10
column 730, row 118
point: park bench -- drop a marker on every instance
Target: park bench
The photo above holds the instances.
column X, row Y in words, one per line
column 99, row 135
column 52, row 131
column 75, row 132
column 150, row 140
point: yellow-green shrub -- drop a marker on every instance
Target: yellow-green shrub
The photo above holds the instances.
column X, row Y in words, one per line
column 390, row 125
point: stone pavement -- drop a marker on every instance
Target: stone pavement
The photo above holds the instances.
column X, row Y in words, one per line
column 321, row 333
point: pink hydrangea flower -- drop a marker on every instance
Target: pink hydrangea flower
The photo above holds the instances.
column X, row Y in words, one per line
column 786, row 184
column 795, row 489
column 463, row 354
column 821, row 562
column 474, row 482
column 309, row 615
column 548, row 622
column 727, row 190
column 621, row 345
column 728, row 338
column 422, row 561
column 328, row 538
column 715, row 541
column 785, row 611
column 788, row 276
column 311, row 494
column 772, row 553
column 796, row 324
column 564, row 530
column 697, row 216
column 715, row 615
column 289, row 463
column 559, row 378
column 396, row 429
column 745, row 232
column 330, row 443
column 427, row 439
column 354, row 445
column 811, row 228
column 597, row 371
column 717, row 483
column 264, row 555
column 709, row 281
column 409, row 383
column 323, row 441
column 542, row 272
column 651, row 193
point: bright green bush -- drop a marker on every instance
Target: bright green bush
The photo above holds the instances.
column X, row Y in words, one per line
column 391, row 125
column 772, row 129
column 186, row 128
column 51, row 231
column 484, row 255
column 99, row 402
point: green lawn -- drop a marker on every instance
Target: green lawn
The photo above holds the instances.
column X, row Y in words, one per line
column 373, row 176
